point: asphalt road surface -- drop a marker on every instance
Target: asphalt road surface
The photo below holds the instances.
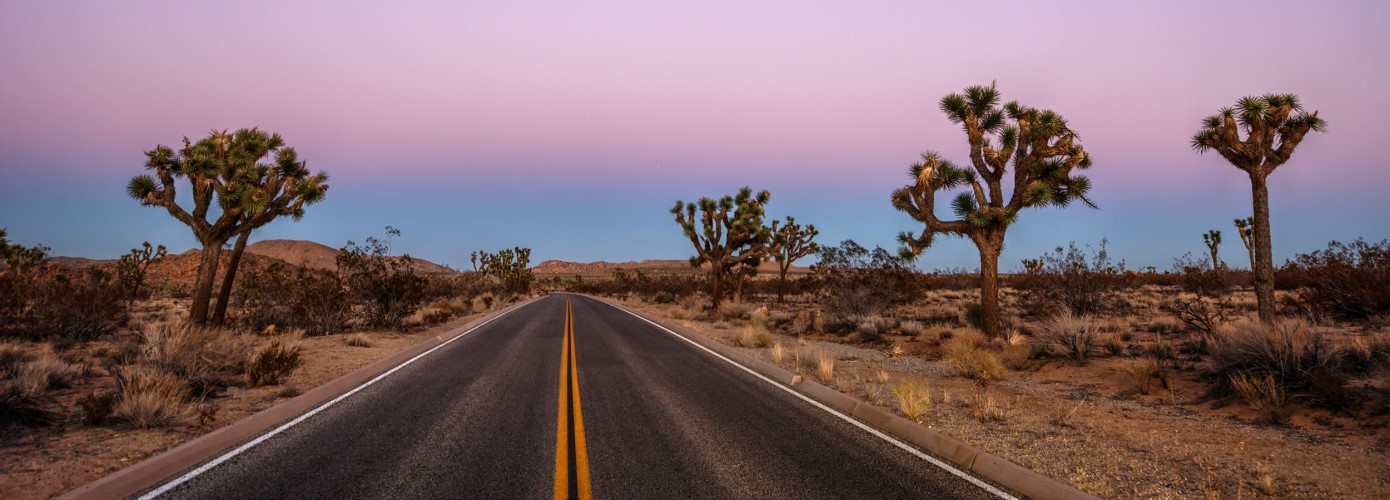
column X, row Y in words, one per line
column 511, row 410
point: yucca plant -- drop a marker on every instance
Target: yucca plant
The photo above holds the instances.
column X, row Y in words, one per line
column 727, row 233
column 223, row 167
column 1274, row 125
column 1040, row 148
column 789, row 243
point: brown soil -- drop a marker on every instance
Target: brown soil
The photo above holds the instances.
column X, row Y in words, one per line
column 47, row 461
column 1088, row 425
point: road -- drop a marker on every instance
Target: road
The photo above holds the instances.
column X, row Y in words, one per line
column 631, row 411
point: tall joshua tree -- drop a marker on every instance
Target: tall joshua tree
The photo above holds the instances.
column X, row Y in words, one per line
column 1043, row 152
column 726, row 233
column 789, row 243
column 1274, row 125
column 1245, row 228
column 1213, row 241
column 223, row 167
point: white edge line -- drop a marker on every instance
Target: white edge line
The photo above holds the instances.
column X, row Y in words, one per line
column 909, row 448
column 166, row 487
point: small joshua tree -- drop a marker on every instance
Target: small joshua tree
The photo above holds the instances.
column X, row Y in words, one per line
column 132, row 268
column 726, row 233
column 1245, row 228
column 1043, row 153
column 1274, row 125
column 789, row 243
column 1213, row 241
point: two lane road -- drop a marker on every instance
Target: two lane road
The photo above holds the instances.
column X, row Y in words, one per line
column 571, row 397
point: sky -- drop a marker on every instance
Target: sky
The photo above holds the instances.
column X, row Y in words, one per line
column 572, row 128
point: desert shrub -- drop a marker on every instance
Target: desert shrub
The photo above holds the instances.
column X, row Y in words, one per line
column 1074, row 336
column 48, row 302
column 388, row 288
column 664, row 297
column 208, row 359
column 96, row 408
column 433, row 317
column 856, row 282
column 1345, row 281
column 1016, row 351
column 967, row 355
column 802, row 323
column 911, row 328
column 273, row 363
column 1199, row 313
column 825, row 367
column 149, row 398
column 277, row 296
column 1069, row 278
column 1142, row 373
column 1199, row 277
column 975, row 315
column 1288, row 351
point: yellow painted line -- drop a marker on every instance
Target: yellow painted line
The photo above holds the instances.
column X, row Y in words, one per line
column 581, row 453
column 562, row 469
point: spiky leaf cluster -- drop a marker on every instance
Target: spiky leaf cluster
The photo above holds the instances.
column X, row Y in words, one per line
column 1246, row 229
column 1039, row 147
column 1273, row 125
column 226, row 168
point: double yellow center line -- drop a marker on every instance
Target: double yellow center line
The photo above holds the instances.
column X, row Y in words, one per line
column 570, row 454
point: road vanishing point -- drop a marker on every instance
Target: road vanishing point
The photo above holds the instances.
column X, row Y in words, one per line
column 570, row 397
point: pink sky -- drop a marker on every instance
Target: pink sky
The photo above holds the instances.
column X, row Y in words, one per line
column 440, row 111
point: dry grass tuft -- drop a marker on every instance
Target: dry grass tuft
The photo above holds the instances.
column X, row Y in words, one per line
column 967, row 355
column 1074, row 336
column 1264, row 394
column 912, row 328
column 210, row 359
column 150, row 398
column 358, row 339
column 914, row 399
column 825, row 366
column 778, row 352
column 753, row 337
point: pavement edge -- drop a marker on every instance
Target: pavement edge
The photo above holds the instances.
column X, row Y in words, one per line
column 1019, row 479
column 152, row 471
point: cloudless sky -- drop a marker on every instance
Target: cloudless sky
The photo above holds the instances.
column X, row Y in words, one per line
column 572, row 127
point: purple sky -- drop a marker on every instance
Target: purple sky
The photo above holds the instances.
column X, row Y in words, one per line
column 571, row 128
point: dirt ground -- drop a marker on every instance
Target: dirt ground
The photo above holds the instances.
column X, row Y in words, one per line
column 1088, row 425
column 48, row 461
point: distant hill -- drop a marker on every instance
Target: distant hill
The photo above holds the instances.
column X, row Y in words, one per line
column 316, row 255
column 598, row 269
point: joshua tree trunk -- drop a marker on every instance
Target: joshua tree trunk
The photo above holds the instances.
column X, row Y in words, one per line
column 219, row 316
column 990, row 246
column 202, row 288
column 781, row 283
column 1264, row 261
column 717, row 290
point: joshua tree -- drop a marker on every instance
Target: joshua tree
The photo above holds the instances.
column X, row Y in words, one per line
column 1274, row 125
column 727, row 233
column 789, row 243
column 223, row 167
column 511, row 267
column 1213, row 241
column 1245, row 228
column 131, row 269
column 1043, row 152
